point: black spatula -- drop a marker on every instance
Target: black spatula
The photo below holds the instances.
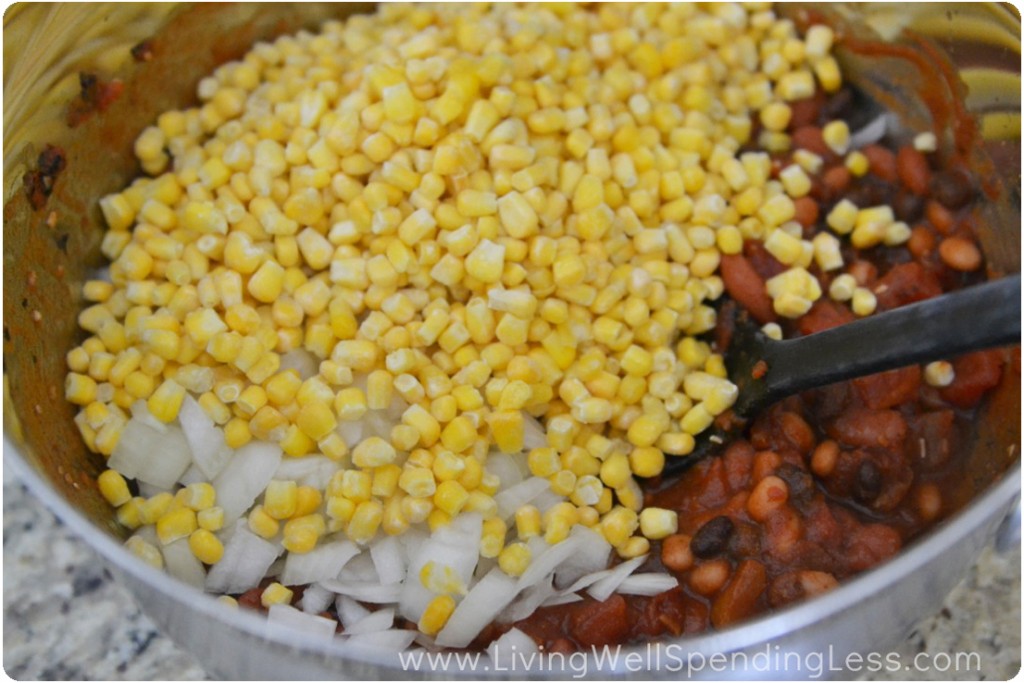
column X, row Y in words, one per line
column 766, row 371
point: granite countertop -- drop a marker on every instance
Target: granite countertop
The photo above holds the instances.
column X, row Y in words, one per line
column 65, row 618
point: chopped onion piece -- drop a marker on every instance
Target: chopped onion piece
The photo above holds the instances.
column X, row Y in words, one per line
column 480, row 607
column 534, row 435
column 587, row 580
column 210, row 453
column 512, row 648
column 246, row 477
column 193, row 475
column 182, row 563
column 349, row 611
column 606, row 586
column 592, row 557
column 514, row 497
column 381, row 620
column 318, row 627
column 550, row 559
column 311, row 470
column 244, row 564
column 651, row 583
column 388, row 559
column 455, row 546
column 361, row 568
column 505, row 468
column 322, row 563
column 158, row 458
column 394, row 640
column 351, row 432
column 528, row 602
column 302, row 361
column 140, row 412
column 562, row 599
column 365, row 592
column 315, row 599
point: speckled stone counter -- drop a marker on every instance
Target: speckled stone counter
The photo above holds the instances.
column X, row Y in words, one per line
column 65, row 618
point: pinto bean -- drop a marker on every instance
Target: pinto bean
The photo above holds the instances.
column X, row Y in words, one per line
column 881, row 162
column 675, row 552
column 807, row 211
column 953, row 187
column 765, row 463
column 815, row 582
column 823, row 460
column 929, row 501
column 939, row 216
column 769, row 495
column 960, row 253
column 708, row 577
column 921, row 242
column 870, row 428
column 797, row 431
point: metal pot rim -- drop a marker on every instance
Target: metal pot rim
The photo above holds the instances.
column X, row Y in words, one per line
column 752, row 633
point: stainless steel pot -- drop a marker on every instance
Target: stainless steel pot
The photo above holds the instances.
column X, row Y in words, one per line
column 49, row 250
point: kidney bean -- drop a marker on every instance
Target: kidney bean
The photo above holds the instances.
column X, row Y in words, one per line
column 881, row 162
column 783, row 530
column 921, row 242
column 823, row 460
column 747, row 287
column 975, row 373
column 804, row 112
column 954, row 188
column 912, row 168
column 810, row 138
column 836, row 180
column 708, row 577
column 939, row 216
column 712, row 537
column 769, row 495
column 869, row 428
column 675, row 552
column 807, row 211
column 600, row 623
column 960, row 253
column 740, row 597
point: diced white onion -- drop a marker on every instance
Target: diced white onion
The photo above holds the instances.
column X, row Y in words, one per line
column 872, row 132
column 206, row 440
column 562, row 599
column 514, row 497
column 381, row 620
column 592, row 557
column 528, row 601
column 315, row 599
column 513, row 647
column 651, row 583
column 608, row 585
column 311, row 470
column 182, row 563
column 318, row 627
column 534, row 435
column 322, row 563
column 302, row 361
column 505, row 468
column 151, row 456
column 246, row 477
column 550, row 559
column 349, row 611
column 480, row 607
column 388, row 559
column 245, row 562
column 456, row 546
column 394, row 640
column 364, row 592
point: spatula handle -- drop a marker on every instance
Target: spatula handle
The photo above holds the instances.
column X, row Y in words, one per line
column 970, row 319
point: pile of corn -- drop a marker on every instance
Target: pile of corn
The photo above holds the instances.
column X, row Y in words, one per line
column 486, row 213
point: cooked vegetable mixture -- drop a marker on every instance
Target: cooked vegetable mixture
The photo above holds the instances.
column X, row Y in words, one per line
column 405, row 312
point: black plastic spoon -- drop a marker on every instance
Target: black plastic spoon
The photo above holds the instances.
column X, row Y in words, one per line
column 766, row 371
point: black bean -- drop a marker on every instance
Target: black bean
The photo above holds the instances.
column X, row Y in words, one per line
column 799, row 481
column 837, row 105
column 712, row 538
column 908, row 206
column 745, row 541
column 953, row 188
column 869, row 481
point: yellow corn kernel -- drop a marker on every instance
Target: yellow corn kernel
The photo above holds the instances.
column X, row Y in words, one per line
column 646, row 461
column 634, row 547
column 261, row 523
column 450, row 497
column 175, row 524
column 166, row 401
column 863, row 302
column 199, row 496
column 939, row 373
column 280, row 500
column 836, row 135
column 276, row 594
column 365, row 521
column 237, row 433
column 436, row 614
column 658, row 523
column 80, row 389
column 211, row 519
column 114, row 488
column 205, row 546
column 514, row 559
